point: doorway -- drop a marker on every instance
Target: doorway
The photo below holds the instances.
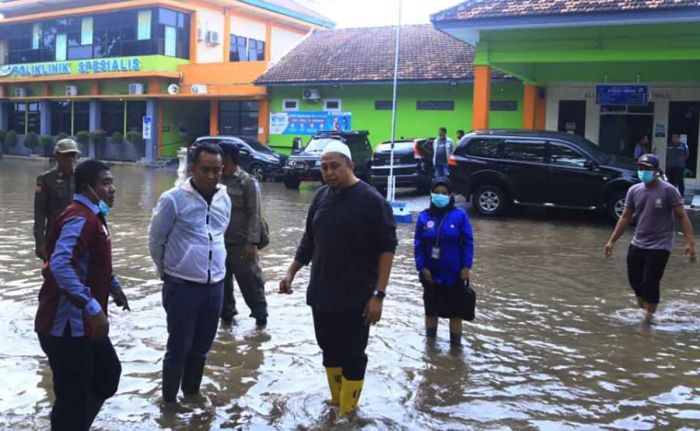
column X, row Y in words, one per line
column 683, row 119
column 572, row 117
column 623, row 126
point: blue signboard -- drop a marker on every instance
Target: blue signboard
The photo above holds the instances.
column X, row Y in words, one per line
column 622, row 95
column 308, row 123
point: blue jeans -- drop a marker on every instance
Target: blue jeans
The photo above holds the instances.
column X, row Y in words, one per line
column 193, row 317
column 441, row 170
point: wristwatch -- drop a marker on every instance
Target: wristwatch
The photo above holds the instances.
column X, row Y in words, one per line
column 379, row 293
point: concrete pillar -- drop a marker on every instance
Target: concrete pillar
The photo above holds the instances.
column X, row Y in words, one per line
column 45, row 118
column 95, row 124
column 482, row 96
column 214, row 117
column 529, row 106
column 263, row 120
column 152, row 143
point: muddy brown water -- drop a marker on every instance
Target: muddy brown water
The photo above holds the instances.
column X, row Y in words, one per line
column 556, row 343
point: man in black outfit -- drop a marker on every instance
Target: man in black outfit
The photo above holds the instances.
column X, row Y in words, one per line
column 350, row 240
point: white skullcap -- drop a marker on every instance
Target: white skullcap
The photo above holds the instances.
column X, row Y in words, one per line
column 337, row 147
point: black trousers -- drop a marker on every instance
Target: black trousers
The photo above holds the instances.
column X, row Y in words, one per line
column 250, row 280
column 677, row 178
column 85, row 374
column 343, row 339
column 645, row 268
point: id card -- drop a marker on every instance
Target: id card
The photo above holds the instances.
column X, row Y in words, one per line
column 435, row 253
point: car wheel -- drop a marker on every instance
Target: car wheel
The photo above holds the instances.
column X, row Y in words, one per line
column 291, row 182
column 258, row 171
column 616, row 205
column 490, row 200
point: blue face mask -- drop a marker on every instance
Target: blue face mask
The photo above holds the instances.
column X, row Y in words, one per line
column 102, row 205
column 104, row 208
column 440, row 201
column 645, row 176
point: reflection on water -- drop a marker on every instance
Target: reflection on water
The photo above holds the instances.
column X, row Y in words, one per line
column 556, row 344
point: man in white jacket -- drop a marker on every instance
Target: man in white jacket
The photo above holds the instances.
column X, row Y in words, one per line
column 186, row 243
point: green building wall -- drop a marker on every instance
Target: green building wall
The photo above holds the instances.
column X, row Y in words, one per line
column 359, row 100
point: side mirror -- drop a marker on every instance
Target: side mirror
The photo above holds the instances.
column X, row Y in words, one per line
column 590, row 164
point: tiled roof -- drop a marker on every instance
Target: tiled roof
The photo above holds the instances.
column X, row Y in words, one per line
column 474, row 9
column 367, row 54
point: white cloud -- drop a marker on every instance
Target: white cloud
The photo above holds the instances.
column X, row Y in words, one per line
column 366, row 13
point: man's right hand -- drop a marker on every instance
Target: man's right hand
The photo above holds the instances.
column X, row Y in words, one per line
column 100, row 326
column 286, row 284
column 427, row 276
column 609, row 249
column 40, row 251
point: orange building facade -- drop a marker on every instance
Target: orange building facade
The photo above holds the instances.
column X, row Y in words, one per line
column 157, row 73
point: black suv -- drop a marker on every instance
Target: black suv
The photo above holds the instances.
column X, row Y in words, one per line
column 306, row 164
column 497, row 168
column 255, row 158
column 411, row 169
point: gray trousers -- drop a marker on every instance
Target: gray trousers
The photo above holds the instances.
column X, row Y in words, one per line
column 249, row 279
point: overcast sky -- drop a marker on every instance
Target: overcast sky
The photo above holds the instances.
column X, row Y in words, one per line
column 365, row 13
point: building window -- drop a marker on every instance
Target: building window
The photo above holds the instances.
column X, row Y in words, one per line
column 503, row 105
column 118, row 34
column 290, row 105
column 61, row 47
column 69, row 117
column 383, row 105
column 135, row 111
column 435, row 105
column 17, row 117
column 239, row 118
column 36, row 35
column 112, row 118
column 86, row 31
column 256, row 50
column 170, row 41
column 331, row 105
column 244, row 49
column 144, row 24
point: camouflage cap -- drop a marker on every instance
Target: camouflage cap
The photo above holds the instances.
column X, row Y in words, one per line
column 66, row 146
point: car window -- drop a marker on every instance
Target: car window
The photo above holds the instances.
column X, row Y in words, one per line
column 524, row 151
column 562, row 155
column 358, row 145
column 487, row 148
column 402, row 146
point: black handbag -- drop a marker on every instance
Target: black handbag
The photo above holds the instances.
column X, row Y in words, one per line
column 467, row 300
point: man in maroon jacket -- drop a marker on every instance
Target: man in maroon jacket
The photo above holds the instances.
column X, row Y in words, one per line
column 72, row 317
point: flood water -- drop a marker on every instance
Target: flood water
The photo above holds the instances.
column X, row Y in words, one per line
column 556, row 343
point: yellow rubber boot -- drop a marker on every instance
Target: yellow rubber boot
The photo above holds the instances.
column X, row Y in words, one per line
column 335, row 376
column 349, row 395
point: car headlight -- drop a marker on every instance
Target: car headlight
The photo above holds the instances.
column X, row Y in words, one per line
column 318, row 163
column 290, row 163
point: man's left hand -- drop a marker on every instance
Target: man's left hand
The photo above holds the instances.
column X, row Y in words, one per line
column 120, row 299
column 249, row 252
column 464, row 274
column 373, row 311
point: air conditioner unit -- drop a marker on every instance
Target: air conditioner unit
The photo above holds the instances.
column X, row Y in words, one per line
column 213, row 38
column 311, row 94
column 173, row 89
column 136, row 88
column 199, row 89
column 71, row 90
column 20, row 92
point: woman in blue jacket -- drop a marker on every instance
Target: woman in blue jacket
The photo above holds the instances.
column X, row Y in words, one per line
column 444, row 252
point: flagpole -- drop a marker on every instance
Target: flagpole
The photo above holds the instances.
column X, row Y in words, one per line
column 391, row 182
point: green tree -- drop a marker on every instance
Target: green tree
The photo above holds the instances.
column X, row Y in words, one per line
column 11, row 138
column 31, row 141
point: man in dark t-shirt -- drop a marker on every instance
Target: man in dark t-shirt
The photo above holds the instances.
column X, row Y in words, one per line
column 655, row 203
column 350, row 240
